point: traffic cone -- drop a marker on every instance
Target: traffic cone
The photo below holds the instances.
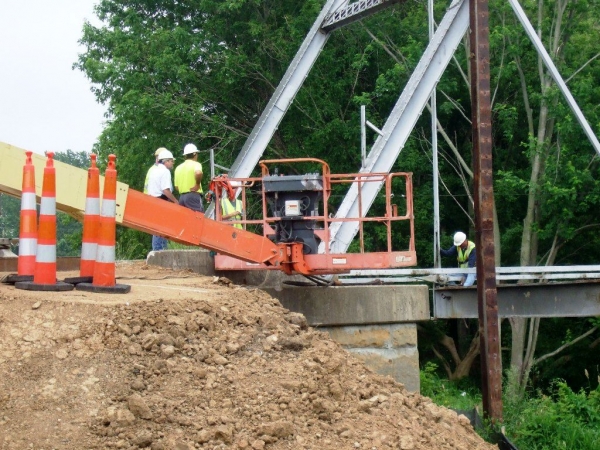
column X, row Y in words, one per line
column 91, row 223
column 104, row 267
column 27, row 227
column 44, row 276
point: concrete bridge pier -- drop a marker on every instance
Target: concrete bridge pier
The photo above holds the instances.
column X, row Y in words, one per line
column 375, row 323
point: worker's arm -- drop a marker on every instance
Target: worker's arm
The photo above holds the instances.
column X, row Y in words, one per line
column 167, row 186
column 472, row 258
column 198, row 179
column 169, row 195
column 233, row 214
column 452, row 251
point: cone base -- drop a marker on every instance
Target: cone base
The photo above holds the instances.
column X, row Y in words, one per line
column 116, row 289
column 78, row 280
column 14, row 278
column 31, row 286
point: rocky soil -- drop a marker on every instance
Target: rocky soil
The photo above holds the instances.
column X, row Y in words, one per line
column 190, row 362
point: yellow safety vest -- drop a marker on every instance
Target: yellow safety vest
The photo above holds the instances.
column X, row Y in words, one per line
column 463, row 257
column 227, row 208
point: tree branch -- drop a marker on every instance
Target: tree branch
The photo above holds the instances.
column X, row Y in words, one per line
column 444, row 362
column 561, row 348
column 582, row 67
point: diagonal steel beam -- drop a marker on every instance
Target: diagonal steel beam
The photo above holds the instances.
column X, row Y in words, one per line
column 284, row 95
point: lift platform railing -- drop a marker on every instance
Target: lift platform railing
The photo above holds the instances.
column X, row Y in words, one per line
column 386, row 235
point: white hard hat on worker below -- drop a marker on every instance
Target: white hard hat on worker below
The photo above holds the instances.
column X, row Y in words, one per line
column 459, row 238
column 190, row 148
column 158, row 150
column 165, row 154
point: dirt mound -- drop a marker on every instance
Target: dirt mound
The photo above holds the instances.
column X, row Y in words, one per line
column 185, row 362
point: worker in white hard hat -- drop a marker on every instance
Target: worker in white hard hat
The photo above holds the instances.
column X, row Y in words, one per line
column 161, row 186
column 464, row 250
column 188, row 179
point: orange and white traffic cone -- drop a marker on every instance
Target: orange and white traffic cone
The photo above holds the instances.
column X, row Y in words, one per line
column 44, row 276
column 91, row 224
column 104, row 279
column 27, row 227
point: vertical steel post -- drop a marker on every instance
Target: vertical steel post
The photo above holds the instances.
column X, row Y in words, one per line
column 491, row 370
column 363, row 135
column 434, row 151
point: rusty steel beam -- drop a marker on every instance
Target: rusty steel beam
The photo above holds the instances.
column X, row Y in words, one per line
column 491, row 370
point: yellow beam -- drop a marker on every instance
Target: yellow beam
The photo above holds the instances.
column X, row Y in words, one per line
column 71, row 182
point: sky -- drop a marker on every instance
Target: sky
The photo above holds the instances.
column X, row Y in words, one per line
column 45, row 104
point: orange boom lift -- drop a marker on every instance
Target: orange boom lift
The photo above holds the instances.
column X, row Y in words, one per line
column 296, row 220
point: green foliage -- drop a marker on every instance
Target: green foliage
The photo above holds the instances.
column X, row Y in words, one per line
column 562, row 420
column 69, row 233
column 132, row 244
column 572, row 363
column 76, row 159
column 459, row 396
column 10, row 209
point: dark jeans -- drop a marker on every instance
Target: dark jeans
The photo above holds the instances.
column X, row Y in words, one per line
column 159, row 243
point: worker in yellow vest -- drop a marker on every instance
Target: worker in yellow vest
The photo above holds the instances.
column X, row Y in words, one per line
column 464, row 250
column 231, row 210
column 188, row 178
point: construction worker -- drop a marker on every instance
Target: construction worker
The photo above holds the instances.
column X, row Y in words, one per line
column 158, row 150
column 188, row 176
column 464, row 250
column 161, row 186
column 231, row 210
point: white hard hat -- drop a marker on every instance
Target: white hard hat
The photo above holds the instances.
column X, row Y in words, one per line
column 158, row 150
column 165, row 154
column 190, row 148
column 459, row 238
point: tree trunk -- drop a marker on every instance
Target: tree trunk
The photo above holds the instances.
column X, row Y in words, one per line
column 522, row 351
column 462, row 366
